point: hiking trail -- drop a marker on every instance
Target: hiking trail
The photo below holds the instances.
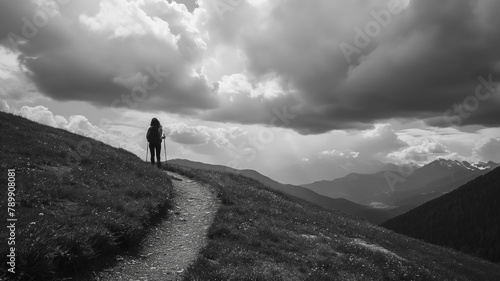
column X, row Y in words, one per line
column 172, row 245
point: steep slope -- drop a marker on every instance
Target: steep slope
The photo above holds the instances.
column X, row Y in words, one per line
column 261, row 234
column 75, row 199
column 372, row 215
column 465, row 219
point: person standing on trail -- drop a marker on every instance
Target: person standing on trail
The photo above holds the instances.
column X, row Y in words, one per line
column 155, row 136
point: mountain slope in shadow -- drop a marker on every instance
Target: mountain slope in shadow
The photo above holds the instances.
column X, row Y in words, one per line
column 466, row 219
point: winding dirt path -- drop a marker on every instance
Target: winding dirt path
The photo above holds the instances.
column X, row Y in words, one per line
column 172, row 245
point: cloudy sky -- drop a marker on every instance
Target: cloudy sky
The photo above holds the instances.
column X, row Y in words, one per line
column 298, row 90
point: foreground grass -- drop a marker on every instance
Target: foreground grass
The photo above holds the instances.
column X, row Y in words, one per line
column 77, row 199
column 260, row 234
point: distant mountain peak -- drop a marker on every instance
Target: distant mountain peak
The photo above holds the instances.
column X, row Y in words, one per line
column 442, row 162
column 473, row 166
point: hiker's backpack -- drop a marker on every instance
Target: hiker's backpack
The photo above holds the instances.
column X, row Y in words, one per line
column 154, row 134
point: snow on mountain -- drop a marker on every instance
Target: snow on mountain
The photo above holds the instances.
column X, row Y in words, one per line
column 473, row 166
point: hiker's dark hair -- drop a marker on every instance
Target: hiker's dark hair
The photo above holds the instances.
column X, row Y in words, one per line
column 155, row 122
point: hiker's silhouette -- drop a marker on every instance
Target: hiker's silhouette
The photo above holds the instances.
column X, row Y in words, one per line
column 155, row 136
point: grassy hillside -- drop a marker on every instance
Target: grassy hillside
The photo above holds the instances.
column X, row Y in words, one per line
column 76, row 198
column 261, row 234
column 466, row 219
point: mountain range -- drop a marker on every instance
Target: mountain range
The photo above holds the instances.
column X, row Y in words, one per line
column 407, row 186
column 306, row 172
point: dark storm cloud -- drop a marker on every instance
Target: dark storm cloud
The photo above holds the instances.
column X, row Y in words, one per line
column 427, row 59
column 139, row 56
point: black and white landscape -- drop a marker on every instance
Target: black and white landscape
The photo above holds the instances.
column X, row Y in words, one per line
column 298, row 140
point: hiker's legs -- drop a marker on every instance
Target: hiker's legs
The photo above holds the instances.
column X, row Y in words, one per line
column 158, row 154
column 152, row 149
